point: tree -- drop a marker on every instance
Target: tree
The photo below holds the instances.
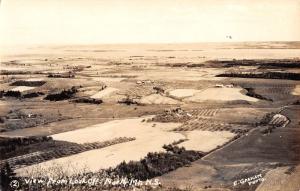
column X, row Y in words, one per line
column 6, row 176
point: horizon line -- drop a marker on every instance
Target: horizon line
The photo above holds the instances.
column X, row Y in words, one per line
column 145, row 43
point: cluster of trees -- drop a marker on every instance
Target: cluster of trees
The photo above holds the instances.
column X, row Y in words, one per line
column 10, row 145
column 252, row 93
column 267, row 128
column 63, row 95
column 88, row 100
column 10, row 93
column 297, row 102
column 172, row 115
column 33, row 94
column 18, row 94
column 266, row 118
column 128, row 101
column 264, row 75
column 157, row 164
column 28, row 83
column 18, row 72
column 64, row 75
column 7, row 175
column 263, row 64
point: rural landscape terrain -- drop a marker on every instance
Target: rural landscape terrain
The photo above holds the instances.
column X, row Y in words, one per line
column 207, row 116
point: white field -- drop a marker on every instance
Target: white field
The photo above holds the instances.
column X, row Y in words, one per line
column 296, row 91
column 90, row 91
column 182, row 93
column 12, row 68
column 113, row 129
column 104, row 93
column 94, row 88
column 106, row 79
column 220, row 94
column 34, row 79
column 149, row 138
column 2, row 103
column 158, row 99
column 206, row 141
column 22, row 88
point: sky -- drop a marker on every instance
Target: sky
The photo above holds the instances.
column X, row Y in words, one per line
column 147, row 21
